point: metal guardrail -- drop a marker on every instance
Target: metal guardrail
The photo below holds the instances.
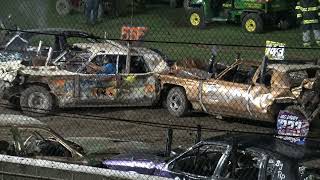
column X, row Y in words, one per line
column 77, row 172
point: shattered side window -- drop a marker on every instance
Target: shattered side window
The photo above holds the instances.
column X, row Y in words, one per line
column 240, row 74
column 200, row 161
column 101, row 60
column 246, row 165
column 38, row 142
column 138, row 65
column 121, row 64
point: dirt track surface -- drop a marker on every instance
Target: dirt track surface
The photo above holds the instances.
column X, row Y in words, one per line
column 140, row 124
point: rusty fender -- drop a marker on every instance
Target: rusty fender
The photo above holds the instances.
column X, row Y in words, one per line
column 191, row 86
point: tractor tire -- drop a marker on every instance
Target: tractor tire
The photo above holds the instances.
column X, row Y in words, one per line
column 196, row 18
column 253, row 23
column 36, row 101
column 177, row 102
column 63, row 7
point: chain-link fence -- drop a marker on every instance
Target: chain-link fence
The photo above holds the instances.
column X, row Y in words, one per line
column 131, row 85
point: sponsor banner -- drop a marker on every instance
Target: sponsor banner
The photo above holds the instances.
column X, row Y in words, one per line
column 292, row 127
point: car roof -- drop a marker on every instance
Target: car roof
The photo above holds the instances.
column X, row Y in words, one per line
column 60, row 31
column 19, row 120
column 109, row 48
column 113, row 47
column 271, row 144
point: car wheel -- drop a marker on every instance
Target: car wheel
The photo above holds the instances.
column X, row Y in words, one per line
column 196, row 18
column 177, row 102
column 63, row 7
column 253, row 23
column 36, row 101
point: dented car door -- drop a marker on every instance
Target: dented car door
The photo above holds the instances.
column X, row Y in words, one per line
column 223, row 97
column 229, row 94
column 99, row 87
column 138, row 85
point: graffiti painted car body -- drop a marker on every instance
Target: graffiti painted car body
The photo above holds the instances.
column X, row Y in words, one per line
column 29, row 137
column 74, row 84
column 253, row 157
column 246, row 89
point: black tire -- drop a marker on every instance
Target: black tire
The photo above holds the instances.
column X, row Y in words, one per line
column 63, row 7
column 177, row 102
column 253, row 23
column 36, row 101
column 196, row 18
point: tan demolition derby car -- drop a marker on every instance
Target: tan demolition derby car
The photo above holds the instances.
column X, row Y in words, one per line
column 77, row 79
column 245, row 89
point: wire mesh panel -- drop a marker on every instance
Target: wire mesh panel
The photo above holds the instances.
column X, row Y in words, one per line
column 168, row 89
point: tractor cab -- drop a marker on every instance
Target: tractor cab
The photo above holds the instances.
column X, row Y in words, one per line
column 253, row 15
column 221, row 9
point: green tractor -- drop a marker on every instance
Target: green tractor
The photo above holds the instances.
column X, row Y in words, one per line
column 253, row 15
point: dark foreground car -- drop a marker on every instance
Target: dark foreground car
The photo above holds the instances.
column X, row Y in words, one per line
column 28, row 137
column 251, row 157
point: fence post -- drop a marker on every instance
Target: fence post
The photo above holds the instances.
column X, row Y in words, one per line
column 198, row 135
column 169, row 141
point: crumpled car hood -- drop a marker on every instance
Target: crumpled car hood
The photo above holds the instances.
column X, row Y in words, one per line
column 9, row 70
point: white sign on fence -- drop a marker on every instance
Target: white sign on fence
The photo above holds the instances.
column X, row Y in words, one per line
column 275, row 50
